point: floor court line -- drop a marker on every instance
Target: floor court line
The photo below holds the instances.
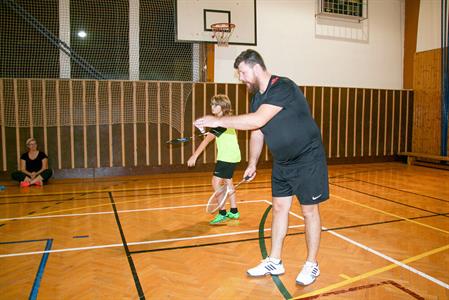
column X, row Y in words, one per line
column 106, row 189
column 147, row 242
column 140, row 243
column 400, row 190
column 120, row 211
column 99, row 205
column 381, row 270
column 395, row 263
column 392, row 215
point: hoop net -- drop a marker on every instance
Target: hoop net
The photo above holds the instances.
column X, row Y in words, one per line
column 222, row 33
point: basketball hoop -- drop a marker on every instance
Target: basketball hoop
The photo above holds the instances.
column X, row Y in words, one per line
column 222, row 33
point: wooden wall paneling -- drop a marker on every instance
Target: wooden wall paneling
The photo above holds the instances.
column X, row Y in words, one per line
column 395, row 123
column 51, row 131
column 410, row 38
column 371, row 130
column 181, row 109
column 209, row 90
column 114, row 128
column 163, row 127
column 188, row 92
column 170, row 122
column 30, row 106
column 391, row 120
column 84, row 134
column 125, row 124
column 134, row 107
column 147, row 124
column 97, row 125
column 387, row 109
column 76, row 114
column 409, row 120
column 332, row 121
column 2, row 129
column 210, row 54
column 341, row 125
column 193, row 107
column 391, row 123
column 400, row 121
column 71, row 128
column 102, row 130
column 427, row 102
column 110, row 144
column 141, row 147
column 378, row 115
column 91, row 121
column 217, row 87
column 153, row 128
column 364, row 122
column 176, row 96
column 351, row 129
column 318, row 107
column 157, row 144
column 16, row 118
column 199, row 111
column 348, row 122
column 325, row 119
column 11, row 155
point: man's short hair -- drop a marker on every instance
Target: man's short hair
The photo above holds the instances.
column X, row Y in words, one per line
column 249, row 57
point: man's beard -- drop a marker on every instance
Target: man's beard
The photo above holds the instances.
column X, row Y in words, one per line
column 253, row 87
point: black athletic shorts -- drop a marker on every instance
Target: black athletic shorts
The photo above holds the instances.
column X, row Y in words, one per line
column 224, row 169
column 307, row 178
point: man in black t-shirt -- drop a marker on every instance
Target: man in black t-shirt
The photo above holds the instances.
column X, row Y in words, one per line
column 280, row 116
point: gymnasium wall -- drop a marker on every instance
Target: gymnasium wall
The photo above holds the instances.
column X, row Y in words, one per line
column 93, row 128
column 427, row 106
column 287, row 39
column 427, row 80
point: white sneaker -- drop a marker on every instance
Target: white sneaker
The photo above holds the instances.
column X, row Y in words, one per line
column 267, row 267
column 310, row 271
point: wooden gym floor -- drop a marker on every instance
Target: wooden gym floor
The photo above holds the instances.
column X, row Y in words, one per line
column 385, row 236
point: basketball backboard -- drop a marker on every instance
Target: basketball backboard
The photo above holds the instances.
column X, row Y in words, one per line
column 195, row 17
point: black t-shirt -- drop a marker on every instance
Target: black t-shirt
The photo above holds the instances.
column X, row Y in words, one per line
column 292, row 131
column 33, row 165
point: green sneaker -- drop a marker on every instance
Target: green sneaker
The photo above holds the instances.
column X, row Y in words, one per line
column 235, row 216
column 219, row 219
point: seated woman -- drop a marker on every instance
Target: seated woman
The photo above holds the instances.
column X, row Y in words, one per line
column 33, row 166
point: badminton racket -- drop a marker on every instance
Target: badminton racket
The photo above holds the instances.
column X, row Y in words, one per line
column 215, row 131
column 218, row 198
column 184, row 139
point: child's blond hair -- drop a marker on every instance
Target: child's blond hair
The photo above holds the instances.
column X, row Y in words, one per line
column 224, row 102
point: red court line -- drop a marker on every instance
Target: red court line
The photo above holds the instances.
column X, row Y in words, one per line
column 368, row 286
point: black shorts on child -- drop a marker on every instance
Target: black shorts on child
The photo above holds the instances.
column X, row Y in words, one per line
column 224, row 169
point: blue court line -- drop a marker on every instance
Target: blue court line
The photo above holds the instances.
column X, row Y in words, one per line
column 40, row 270
column 24, row 241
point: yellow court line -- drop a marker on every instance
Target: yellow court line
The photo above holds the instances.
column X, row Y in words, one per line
column 371, row 273
column 345, row 276
column 393, row 215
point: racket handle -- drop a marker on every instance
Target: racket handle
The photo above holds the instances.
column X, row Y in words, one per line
column 242, row 181
column 201, row 129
